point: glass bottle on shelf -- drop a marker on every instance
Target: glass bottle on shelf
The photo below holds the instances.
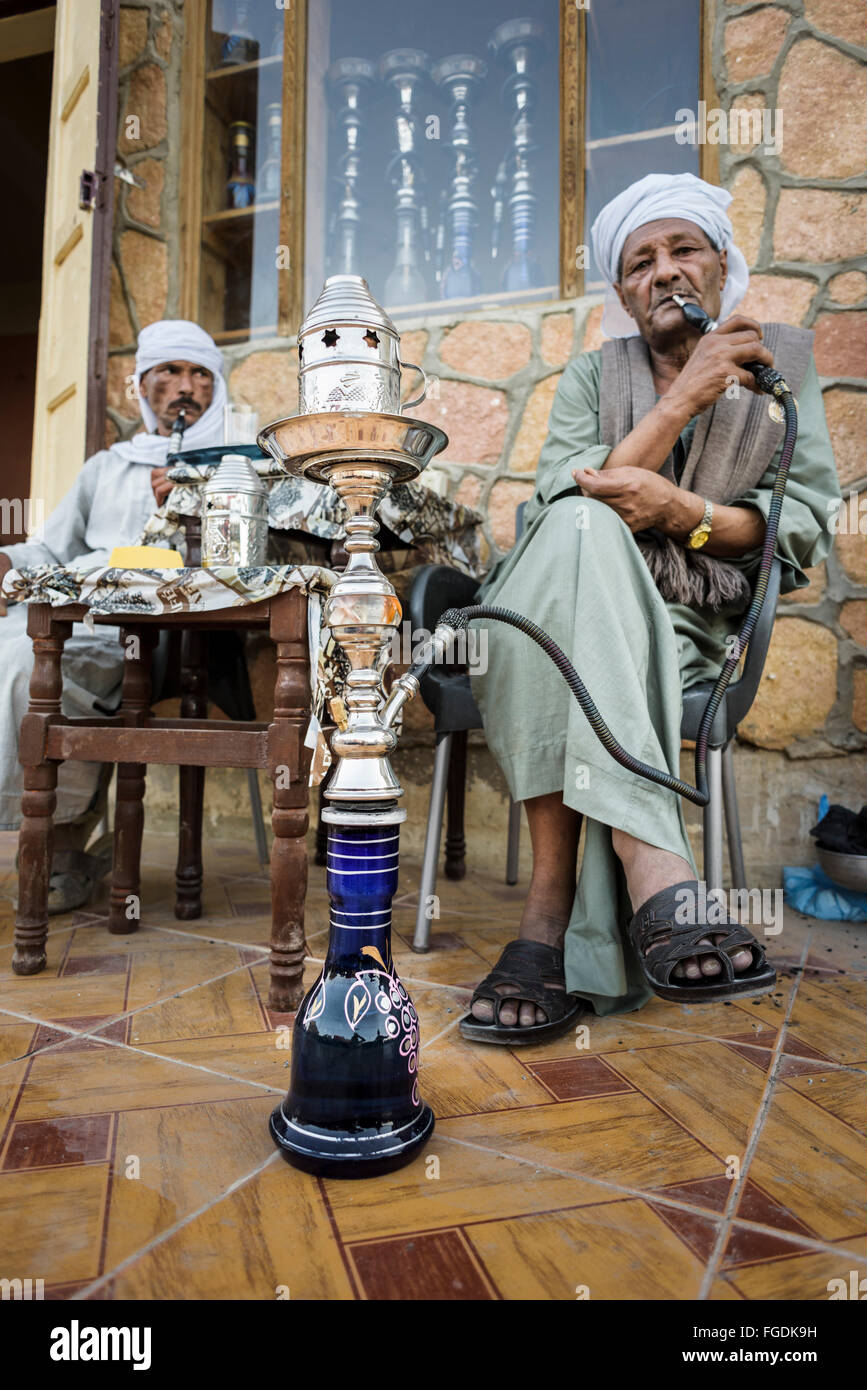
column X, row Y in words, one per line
column 240, row 185
column 269, row 173
column 239, row 45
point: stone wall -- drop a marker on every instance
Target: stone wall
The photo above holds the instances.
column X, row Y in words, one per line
column 144, row 272
column 801, row 218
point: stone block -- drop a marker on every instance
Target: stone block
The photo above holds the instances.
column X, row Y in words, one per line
column 492, row 351
column 268, row 381
column 848, row 288
column 815, row 224
column 146, row 103
column 840, row 345
column 145, row 204
column 132, row 35
column 778, row 298
column 846, row 19
column 846, row 413
column 120, row 369
column 853, row 618
column 534, row 426
column 859, row 699
column 747, row 212
column 558, row 331
column 798, row 688
column 593, row 335
column 750, row 101
column 120, row 329
column 752, row 42
column 851, row 551
column 474, row 418
column 469, row 491
column 412, row 349
column 505, row 499
column 145, row 272
column 163, row 35
column 823, row 96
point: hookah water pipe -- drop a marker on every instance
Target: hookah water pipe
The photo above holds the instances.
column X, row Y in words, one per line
column 176, row 439
column 460, row 76
column 516, row 43
column 405, row 69
column 353, row 1107
column 406, row 686
column 352, row 78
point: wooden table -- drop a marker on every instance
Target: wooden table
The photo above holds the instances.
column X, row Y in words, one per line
column 132, row 738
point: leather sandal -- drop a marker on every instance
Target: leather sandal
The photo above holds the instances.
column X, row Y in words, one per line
column 658, row 918
column 531, row 970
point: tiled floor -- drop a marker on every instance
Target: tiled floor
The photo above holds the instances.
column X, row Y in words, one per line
column 681, row 1153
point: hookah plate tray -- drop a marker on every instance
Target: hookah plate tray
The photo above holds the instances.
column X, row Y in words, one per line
column 309, row 445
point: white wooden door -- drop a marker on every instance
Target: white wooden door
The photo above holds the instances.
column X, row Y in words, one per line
column 64, row 323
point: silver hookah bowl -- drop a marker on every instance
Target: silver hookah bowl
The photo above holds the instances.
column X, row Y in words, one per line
column 350, row 434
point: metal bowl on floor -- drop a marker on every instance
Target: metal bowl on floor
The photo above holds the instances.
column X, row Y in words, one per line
column 849, row 870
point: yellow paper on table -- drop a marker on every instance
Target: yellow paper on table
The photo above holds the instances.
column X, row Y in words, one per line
column 144, row 557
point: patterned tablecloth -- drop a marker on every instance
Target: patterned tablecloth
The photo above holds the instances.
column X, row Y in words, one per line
column 126, row 593
column 437, row 530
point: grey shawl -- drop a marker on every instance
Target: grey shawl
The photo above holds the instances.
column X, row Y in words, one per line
column 732, row 446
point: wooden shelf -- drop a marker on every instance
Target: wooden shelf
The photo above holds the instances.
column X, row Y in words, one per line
column 229, row 215
column 231, row 69
column 239, row 335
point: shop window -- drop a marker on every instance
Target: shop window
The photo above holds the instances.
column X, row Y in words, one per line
column 452, row 153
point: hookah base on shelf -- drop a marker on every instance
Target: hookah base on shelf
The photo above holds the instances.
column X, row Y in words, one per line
column 359, row 1154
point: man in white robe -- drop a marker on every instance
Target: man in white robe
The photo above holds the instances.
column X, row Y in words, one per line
column 178, row 367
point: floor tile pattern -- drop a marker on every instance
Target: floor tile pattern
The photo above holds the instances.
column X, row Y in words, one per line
column 679, row 1152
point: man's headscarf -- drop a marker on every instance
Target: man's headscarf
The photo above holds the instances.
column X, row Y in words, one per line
column 176, row 340
column 651, row 198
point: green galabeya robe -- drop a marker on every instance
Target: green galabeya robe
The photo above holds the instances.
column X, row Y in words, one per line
column 577, row 572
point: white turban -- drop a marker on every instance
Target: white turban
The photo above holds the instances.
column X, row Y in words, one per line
column 176, row 340
column 650, row 199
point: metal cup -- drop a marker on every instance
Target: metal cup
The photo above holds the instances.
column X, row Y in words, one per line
column 234, row 515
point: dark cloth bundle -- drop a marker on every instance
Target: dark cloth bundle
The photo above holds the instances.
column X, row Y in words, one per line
column 842, row 830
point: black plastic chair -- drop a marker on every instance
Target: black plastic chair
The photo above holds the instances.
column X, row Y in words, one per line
column 447, row 692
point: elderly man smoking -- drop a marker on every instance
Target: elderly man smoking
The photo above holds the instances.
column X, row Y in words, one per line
column 178, row 366
column 656, row 441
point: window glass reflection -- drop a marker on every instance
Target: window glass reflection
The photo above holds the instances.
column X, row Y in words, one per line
column 433, row 148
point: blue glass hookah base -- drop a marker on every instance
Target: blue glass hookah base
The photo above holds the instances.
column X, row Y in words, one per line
column 353, row 1107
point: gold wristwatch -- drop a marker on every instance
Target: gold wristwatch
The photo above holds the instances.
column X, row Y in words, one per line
column 699, row 534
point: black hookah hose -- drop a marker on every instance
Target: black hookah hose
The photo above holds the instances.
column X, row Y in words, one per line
column 771, row 381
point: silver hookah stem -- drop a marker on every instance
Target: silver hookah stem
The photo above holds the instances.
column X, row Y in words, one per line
column 517, row 43
column 404, row 70
column 351, row 79
column 459, row 76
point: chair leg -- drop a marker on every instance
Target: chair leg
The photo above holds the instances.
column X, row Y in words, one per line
column 513, row 839
column 713, row 813
column 124, row 906
column 421, row 940
column 456, row 845
column 39, row 799
column 194, row 705
column 256, row 812
column 733, row 821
